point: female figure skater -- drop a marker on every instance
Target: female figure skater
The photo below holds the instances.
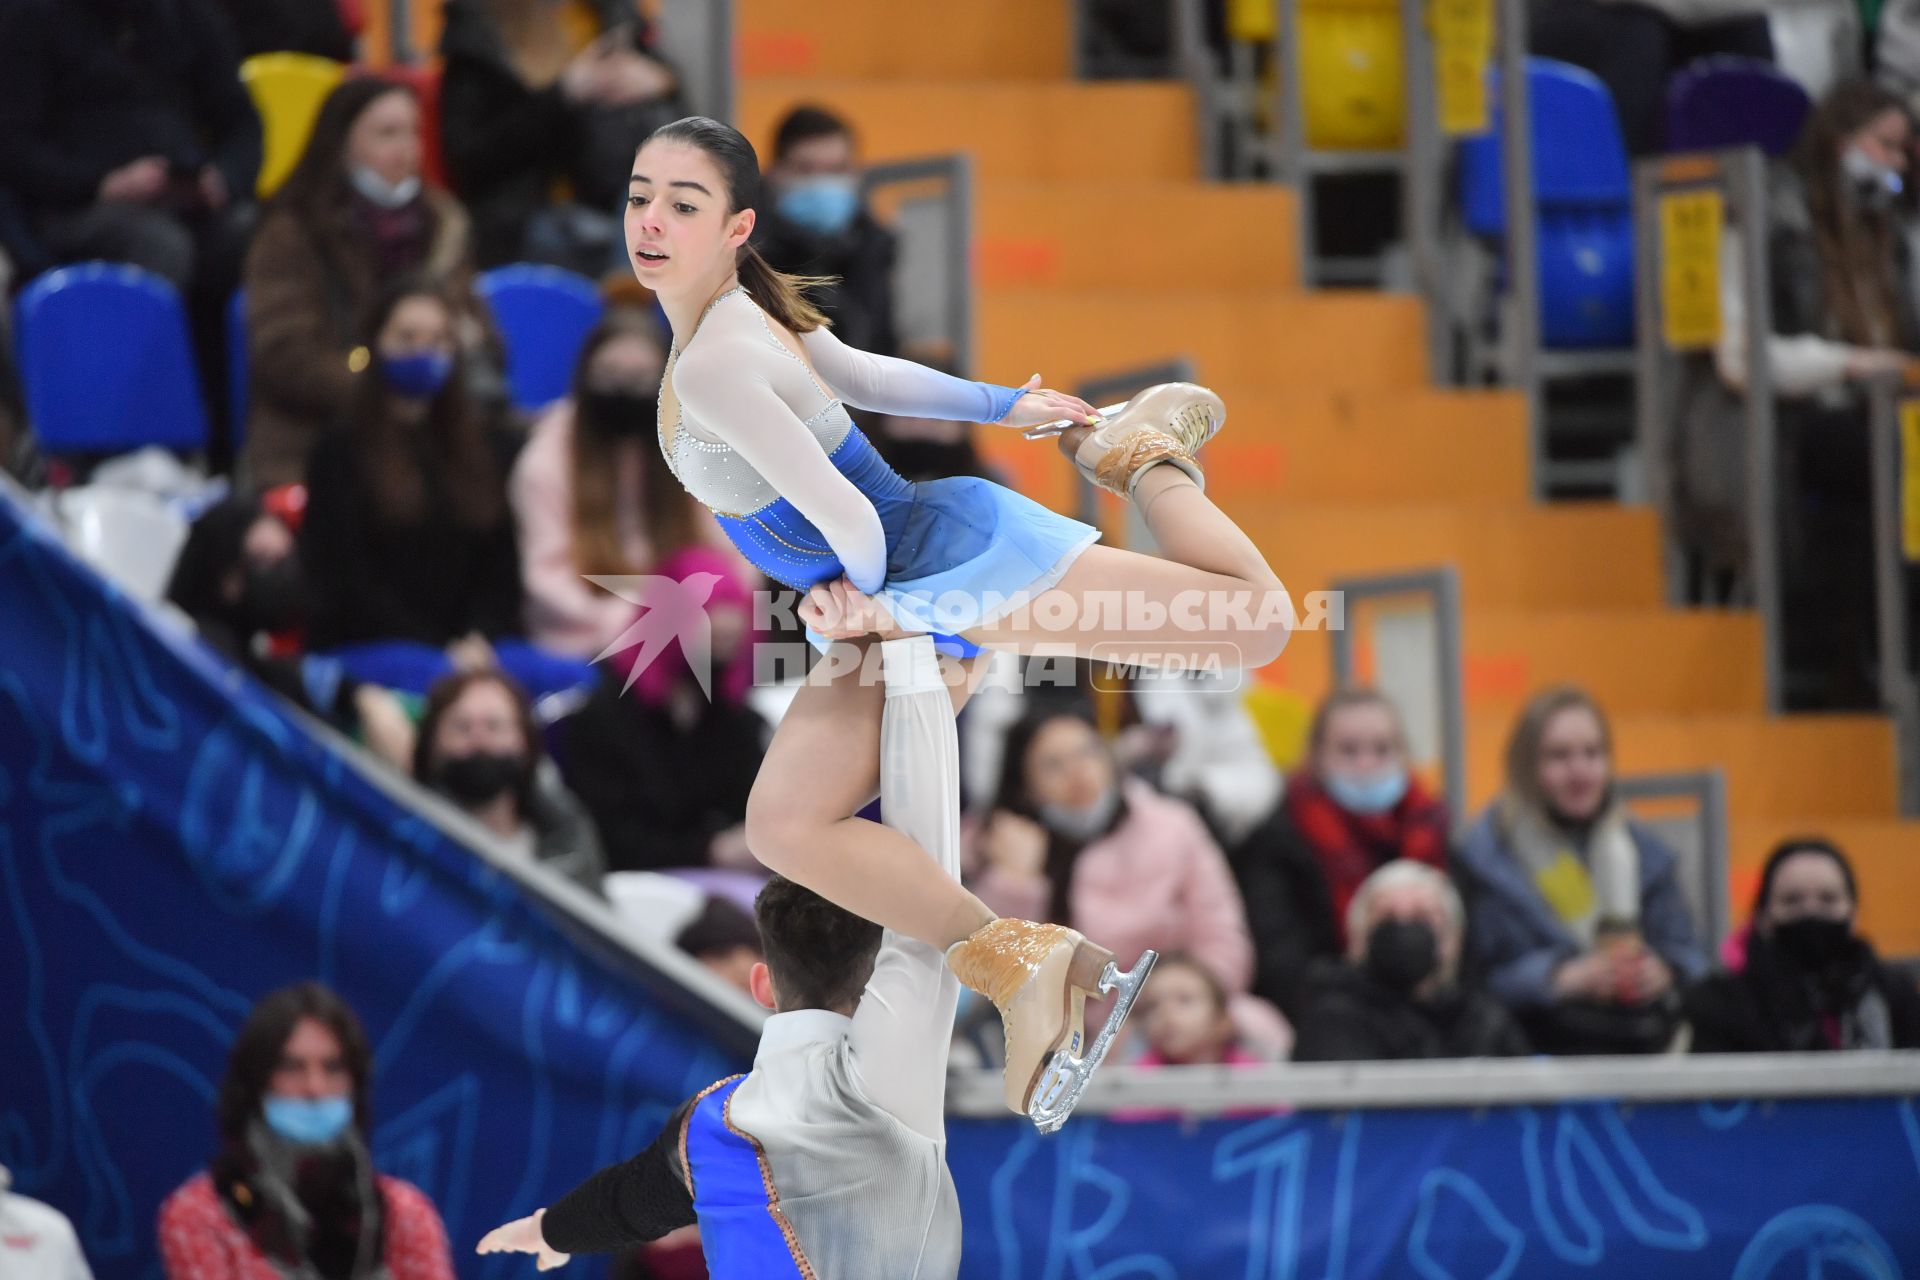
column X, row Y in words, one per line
column 752, row 422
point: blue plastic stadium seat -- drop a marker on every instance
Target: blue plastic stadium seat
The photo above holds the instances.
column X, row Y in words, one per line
column 106, row 361
column 1724, row 102
column 1583, row 199
column 544, row 315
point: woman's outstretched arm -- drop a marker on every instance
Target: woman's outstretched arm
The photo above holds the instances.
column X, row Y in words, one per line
column 901, row 387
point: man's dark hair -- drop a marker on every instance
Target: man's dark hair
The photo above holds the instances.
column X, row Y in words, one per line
column 257, row 1049
column 804, row 124
column 719, row 928
column 820, row 955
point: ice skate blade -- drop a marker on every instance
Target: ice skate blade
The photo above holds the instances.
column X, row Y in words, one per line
column 1065, row 1076
column 1049, row 429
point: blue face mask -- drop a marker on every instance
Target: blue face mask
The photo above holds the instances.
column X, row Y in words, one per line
column 1367, row 796
column 421, row 374
column 825, row 205
column 309, row 1121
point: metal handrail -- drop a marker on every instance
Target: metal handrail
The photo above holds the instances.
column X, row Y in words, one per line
column 1707, row 788
column 956, row 172
column 1899, row 683
column 1741, row 178
column 1443, row 584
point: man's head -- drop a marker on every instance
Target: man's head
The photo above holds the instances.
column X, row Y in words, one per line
column 814, row 177
column 724, row 939
column 818, row 956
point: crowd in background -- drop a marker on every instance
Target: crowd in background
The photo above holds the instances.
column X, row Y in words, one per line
column 408, row 559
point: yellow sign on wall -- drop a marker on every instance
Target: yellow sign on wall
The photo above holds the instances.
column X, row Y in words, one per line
column 1462, row 33
column 1690, row 228
column 1910, row 479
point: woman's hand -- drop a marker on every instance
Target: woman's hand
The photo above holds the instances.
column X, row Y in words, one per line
column 522, row 1235
column 1586, row 977
column 1015, row 846
column 1038, row 404
column 841, row 611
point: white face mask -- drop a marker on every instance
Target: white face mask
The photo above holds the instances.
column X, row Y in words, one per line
column 1081, row 824
column 387, row 195
column 1878, row 185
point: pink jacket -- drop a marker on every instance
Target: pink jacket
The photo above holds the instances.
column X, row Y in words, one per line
column 1157, row 880
column 566, row 613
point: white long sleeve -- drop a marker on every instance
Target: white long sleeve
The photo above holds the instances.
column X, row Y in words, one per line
column 1801, row 365
column 901, row 387
column 732, row 383
column 904, row 1022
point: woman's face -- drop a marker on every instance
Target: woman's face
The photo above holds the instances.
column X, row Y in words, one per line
column 628, row 363
column 1574, row 769
column 418, row 324
column 1807, row 885
column 677, row 224
column 1068, row 764
column 1183, row 1021
column 312, row 1064
column 385, row 137
column 1887, row 140
column 484, row 718
column 1361, row 741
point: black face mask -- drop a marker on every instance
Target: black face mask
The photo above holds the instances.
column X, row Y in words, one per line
column 1402, row 954
column 273, row 597
column 1813, row 942
column 481, row 777
column 618, row 415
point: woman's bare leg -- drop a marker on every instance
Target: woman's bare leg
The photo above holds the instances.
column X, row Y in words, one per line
column 824, row 765
column 1208, row 594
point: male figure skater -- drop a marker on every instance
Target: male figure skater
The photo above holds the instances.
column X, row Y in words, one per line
column 828, row 1159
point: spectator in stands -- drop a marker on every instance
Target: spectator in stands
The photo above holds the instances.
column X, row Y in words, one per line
column 1183, row 1015
column 352, row 217
column 1069, row 840
column 1353, row 809
column 1843, row 314
column 663, row 764
column 815, row 224
column 725, row 939
column 592, row 497
column 125, row 134
column 536, row 95
column 480, row 746
column 290, row 26
column 1809, row 982
column 408, row 535
column 1577, row 916
column 292, row 1190
column 239, row 578
column 37, row 1242
column 1635, row 48
column 1398, row 993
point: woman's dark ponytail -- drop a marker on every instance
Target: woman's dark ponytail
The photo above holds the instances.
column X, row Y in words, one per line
column 781, row 296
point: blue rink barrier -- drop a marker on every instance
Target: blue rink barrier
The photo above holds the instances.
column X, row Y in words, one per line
column 173, row 845
column 1800, row 1189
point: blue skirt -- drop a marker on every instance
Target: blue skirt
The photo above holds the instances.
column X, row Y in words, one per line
column 961, row 551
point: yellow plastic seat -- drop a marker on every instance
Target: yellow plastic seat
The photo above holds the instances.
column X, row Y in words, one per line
column 1352, row 75
column 287, row 90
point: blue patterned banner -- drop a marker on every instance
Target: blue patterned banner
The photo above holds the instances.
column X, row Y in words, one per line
column 173, row 846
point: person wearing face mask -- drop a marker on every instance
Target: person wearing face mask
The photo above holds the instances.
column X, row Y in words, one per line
column 1843, row 314
column 1397, row 993
column 353, row 216
column 1578, row 919
column 292, row 1192
column 1808, row 982
column 591, row 496
column 239, row 579
column 817, row 225
column 664, row 766
column 1068, row 839
column 1354, row 808
column 408, row 539
column 480, row 746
